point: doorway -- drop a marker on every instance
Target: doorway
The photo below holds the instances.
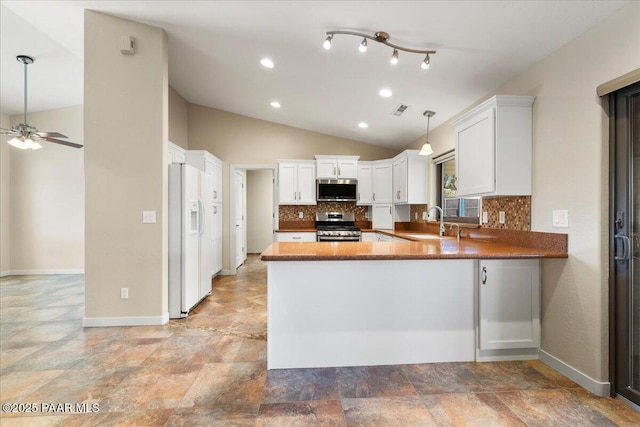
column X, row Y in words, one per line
column 239, row 217
column 624, row 295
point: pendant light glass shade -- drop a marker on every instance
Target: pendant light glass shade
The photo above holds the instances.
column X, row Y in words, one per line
column 426, row 147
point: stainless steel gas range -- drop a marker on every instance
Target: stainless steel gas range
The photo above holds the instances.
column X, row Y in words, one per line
column 336, row 227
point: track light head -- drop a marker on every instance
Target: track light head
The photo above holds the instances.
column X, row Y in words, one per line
column 394, row 57
column 363, row 46
column 327, row 42
column 425, row 64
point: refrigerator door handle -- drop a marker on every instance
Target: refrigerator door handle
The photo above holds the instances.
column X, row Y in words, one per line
column 200, row 218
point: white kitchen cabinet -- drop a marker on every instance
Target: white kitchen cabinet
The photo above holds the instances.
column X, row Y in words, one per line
column 381, row 237
column 217, row 237
column 297, row 183
column 176, row 153
column 509, row 304
column 337, row 167
column 302, row 236
column 382, row 178
column 493, row 148
column 410, row 178
column 365, row 186
column 382, row 216
column 368, row 237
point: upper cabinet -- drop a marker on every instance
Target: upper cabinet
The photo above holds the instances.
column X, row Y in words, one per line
column 493, row 148
column 176, row 153
column 296, row 182
column 382, row 175
column 337, row 167
column 365, row 185
column 410, row 178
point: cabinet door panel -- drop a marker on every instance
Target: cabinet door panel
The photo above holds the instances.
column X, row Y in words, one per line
column 327, row 168
column 509, row 304
column 347, row 169
column 364, row 184
column 288, row 183
column 382, row 217
column 475, row 155
column 307, row 183
column 382, row 183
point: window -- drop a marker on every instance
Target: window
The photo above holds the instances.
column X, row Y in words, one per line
column 455, row 209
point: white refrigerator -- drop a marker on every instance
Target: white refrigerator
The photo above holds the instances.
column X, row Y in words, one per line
column 190, row 255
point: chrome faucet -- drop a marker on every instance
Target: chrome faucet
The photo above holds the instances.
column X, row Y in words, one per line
column 457, row 231
column 441, row 218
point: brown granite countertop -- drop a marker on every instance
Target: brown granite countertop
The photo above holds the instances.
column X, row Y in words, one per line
column 475, row 243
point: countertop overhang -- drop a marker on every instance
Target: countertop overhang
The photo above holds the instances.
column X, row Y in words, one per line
column 430, row 249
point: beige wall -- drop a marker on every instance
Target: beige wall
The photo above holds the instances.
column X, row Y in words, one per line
column 126, row 133
column 178, row 119
column 5, row 197
column 237, row 139
column 47, row 198
column 570, row 167
column 259, row 210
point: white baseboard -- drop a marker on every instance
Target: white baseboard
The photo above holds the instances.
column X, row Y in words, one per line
column 506, row 354
column 41, row 272
column 93, row 322
column 599, row 388
column 227, row 273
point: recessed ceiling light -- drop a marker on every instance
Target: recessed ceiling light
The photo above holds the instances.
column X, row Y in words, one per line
column 266, row 62
column 385, row 93
column 275, row 104
column 363, row 125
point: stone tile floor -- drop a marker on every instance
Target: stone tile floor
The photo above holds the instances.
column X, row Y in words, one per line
column 210, row 370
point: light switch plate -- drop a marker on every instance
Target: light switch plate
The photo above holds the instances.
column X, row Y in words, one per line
column 561, row 218
column 501, row 217
column 300, row 215
column 149, row 217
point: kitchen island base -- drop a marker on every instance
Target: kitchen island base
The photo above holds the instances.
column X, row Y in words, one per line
column 370, row 312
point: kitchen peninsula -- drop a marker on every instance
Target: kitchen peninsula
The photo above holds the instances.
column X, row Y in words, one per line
column 414, row 301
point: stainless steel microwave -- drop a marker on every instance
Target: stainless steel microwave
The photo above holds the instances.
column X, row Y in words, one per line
column 337, row 190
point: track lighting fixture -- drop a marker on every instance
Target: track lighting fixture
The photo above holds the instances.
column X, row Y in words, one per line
column 394, row 57
column 426, row 147
column 327, row 42
column 363, row 46
column 380, row 37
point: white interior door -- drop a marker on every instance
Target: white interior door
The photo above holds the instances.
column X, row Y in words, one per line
column 239, row 218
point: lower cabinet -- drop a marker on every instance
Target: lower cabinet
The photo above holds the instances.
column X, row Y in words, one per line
column 382, row 217
column 305, row 236
column 509, row 304
column 380, row 237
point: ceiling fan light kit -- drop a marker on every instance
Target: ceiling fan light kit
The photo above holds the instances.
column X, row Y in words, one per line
column 381, row 37
column 26, row 137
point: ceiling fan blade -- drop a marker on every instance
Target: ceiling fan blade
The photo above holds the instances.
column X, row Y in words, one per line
column 4, row 131
column 50, row 135
column 59, row 141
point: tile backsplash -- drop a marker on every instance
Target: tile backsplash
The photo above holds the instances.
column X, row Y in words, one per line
column 416, row 211
column 291, row 212
column 517, row 210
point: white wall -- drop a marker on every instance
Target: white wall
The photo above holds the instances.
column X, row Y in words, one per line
column 126, row 133
column 259, row 210
column 47, row 198
column 570, row 171
column 5, row 199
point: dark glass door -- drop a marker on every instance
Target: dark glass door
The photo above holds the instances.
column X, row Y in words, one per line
column 624, row 243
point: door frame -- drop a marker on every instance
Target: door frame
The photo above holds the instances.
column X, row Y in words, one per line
column 233, row 193
column 618, row 131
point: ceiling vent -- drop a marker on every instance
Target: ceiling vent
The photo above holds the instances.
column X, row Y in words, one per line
column 400, row 109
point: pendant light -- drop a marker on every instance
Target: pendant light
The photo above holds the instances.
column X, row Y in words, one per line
column 426, row 147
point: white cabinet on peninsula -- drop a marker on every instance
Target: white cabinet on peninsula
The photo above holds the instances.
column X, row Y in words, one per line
column 365, row 185
column 410, row 178
column 493, row 148
column 336, row 167
column 297, row 182
column 508, row 309
column 369, row 236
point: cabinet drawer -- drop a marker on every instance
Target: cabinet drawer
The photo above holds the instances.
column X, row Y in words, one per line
column 296, row 237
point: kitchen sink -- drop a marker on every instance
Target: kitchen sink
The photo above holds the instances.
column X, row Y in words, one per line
column 429, row 236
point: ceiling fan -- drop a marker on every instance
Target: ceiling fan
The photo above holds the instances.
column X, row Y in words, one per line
column 27, row 137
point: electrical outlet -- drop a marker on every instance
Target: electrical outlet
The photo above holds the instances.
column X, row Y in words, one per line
column 415, row 215
column 501, row 218
column 561, row 218
column 124, row 293
column 300, row 215
column 485, row 217
column 424, row 215
column 149, row 217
